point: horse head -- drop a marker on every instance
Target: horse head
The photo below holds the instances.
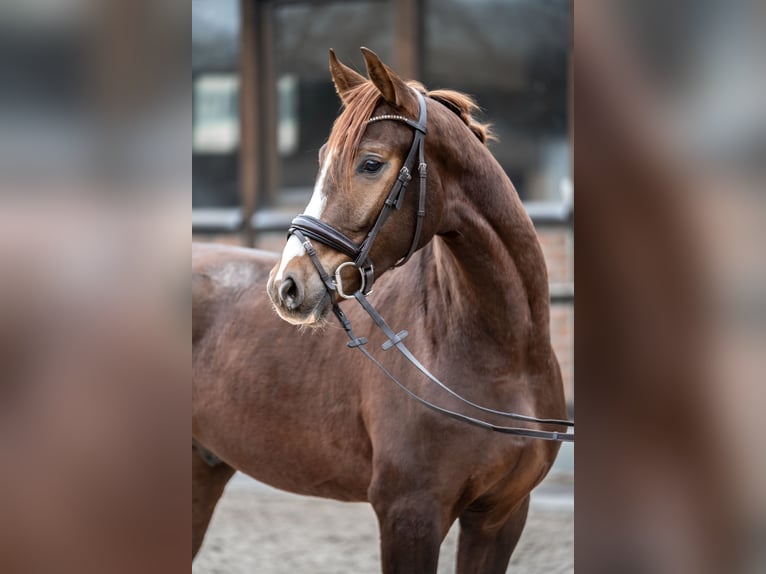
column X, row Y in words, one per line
column 360, row 167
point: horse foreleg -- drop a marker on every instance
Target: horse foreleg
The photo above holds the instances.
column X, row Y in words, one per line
column 410, row 535
column 207, row 486
column 488, row 540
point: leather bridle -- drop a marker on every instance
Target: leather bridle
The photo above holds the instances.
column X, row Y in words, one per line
column 306, row 227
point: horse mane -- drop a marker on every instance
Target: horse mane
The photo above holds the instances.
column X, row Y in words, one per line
column 464, row 107
column 350, row 125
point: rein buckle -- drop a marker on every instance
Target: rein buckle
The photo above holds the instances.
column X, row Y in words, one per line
column 400, row 336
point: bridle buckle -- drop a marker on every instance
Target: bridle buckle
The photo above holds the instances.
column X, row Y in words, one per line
column 339, row 279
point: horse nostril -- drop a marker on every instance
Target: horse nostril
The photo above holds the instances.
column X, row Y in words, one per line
column 290, row 293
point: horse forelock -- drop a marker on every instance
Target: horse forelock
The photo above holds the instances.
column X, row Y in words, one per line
column 349, row 126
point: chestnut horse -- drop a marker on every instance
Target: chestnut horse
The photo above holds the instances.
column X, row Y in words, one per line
column 294, row 408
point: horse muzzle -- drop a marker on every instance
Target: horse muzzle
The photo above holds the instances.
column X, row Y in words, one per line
column 298, row 300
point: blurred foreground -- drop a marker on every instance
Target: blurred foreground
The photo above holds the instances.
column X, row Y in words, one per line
column 671, row 286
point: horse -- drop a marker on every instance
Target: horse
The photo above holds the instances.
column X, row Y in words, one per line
column 278, row 396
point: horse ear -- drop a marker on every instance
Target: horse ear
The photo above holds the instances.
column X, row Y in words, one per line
column 344, row 78
column 394, row 90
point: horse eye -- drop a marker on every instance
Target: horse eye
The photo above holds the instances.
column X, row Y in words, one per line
column 371, row 166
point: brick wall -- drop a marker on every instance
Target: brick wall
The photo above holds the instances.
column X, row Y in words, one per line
column 558, row 247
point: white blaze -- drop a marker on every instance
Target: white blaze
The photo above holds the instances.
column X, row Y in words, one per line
column 293, row 247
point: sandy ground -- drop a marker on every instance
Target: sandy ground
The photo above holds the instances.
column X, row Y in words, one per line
column 257, row 529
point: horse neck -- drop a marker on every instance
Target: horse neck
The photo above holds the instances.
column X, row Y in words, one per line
column 490, row 269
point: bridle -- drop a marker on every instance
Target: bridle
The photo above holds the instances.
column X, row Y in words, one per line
column 306, row 227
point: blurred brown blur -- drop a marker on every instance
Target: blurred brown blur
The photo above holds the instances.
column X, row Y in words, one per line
column 670, row 137
column 94, row 295
column 94, row 398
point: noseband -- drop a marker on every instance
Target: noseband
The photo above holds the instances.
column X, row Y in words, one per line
column 306, row 227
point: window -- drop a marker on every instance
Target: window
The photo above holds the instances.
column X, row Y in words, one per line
column 307, row 103
column 215, row 117
column 513, row 57
column 216, row 114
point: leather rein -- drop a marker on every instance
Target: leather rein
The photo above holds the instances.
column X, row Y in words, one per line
column 306, row 227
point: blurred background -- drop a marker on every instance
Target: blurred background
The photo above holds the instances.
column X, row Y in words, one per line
column 264, row 102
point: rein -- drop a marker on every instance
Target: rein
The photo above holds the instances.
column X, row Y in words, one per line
column 305, row 228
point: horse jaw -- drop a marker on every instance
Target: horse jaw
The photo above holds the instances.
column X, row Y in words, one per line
column 317, row 318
